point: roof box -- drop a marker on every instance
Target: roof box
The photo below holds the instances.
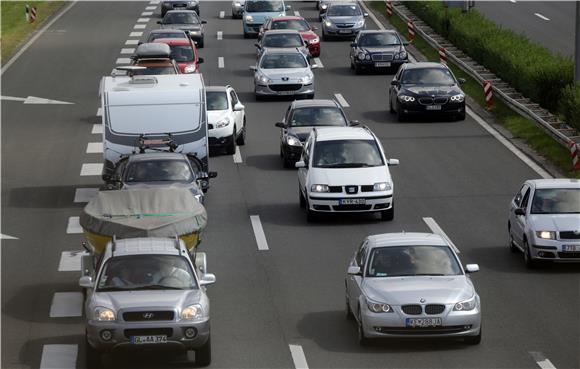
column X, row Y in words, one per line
column 153, row 50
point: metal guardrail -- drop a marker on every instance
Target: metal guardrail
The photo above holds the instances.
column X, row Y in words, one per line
column 559, row 130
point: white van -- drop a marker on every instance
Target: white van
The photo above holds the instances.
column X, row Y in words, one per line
column 151, row 113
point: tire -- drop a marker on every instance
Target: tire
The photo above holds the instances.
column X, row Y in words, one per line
column 362, row 339
column 92, row 357
column 311, row 216
column 203, row 354
column 241, row 139
column 348, row 312
column 246, row 35
column 388, row 214
column 231, row 148
column 391, row 110
column 511, row 243
column 528, row 261
column 301, row 199
column 200, row 44
column 473, row 340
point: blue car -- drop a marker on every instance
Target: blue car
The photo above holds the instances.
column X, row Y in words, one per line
column 257, row 11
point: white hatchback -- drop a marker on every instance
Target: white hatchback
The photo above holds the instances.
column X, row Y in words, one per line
column 344, row 169
column 226, row 118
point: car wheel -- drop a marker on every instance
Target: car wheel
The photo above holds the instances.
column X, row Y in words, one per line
column 203, row 354
column 92, row 356
column 528, row 261
column 241, row 140
column 348, row 311
column 391, row 110
column 388, row 214
column 231, row 148
column 401, row 117
column 246, row 35
column 362, row 339
column 301, row 199
column 511, row 243
column 473, row 340
column 200, row 43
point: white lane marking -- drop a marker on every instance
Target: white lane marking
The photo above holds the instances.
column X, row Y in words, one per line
column 221, row 62
column 297, row 13
column 73, row 226
column 70, row 261
column 146, row 14
column 85, row 194
column 135, row 34
column 432, row 224
column 372, row 16
column 259, row 232
column 66, row 305
column 513, row 1
column 222, row 14
column 542, row 361
column 59, row 357
column 37, row 34
column 97, row 129
column 7, row 237
column 150, row 7
column 34, row 100
column 95, row 148
column 529, row 162
column 318, row 62
column 139, row 26
column 541, row 16
column 143, row 20
column 220, row 35
column 237, row 155
column 99, row 112
column 298, row 357
column 154, row 2
column 132, row 42
column 127, row 50
column 123, row 61
column 341, row 100
column 91, row 169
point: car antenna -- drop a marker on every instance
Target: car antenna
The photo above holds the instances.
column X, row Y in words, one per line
column 114, row 242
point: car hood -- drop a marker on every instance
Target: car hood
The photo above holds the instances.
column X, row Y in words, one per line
column 555, row 222
column 214, row 116
column 381, row 49
column 303, row 49
column 260, row 17
column 344, row 19
column 148, row 299
column 410, row 290
column 431, row 90
column 183, row 26
column 344, row 176
column 292, row 73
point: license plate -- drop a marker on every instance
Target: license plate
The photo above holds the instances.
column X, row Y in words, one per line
column 352, row 201
column 433, row 107
column 423, row 322
column 143, row 340
column 572, row 248
column 344, row 31
column 286, row 92
column 382, row 64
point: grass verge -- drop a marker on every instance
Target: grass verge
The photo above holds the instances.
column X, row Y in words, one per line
column 518, row 125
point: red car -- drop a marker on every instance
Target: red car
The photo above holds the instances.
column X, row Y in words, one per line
column 299, row 24
column 184, row 52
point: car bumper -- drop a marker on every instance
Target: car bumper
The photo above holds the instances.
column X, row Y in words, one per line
column 121, row 335
column 342, row 32
column 252, row 28
column 292, row 153
column 554, row 250
column 299, row 89
column 370, row 64
column 447, row 108
column 331, row 203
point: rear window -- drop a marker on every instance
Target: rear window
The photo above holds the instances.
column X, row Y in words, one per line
column 297, row 24
column 284, row 40
column 154, row 118
column 181, row 53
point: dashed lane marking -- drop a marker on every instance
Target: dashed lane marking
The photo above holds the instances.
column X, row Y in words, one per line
column 132, row 42
column 139, row 26
column 73, row 226
column 135, row 34
column 434, row 227
column 6, row 237
column 220, row 35
column 97, row 129
column 143, row 20
column 85, row 194
column 59, row 357
column 70, row 261
column 99, row 112
column 150, row 8
column 127, row 50
column 341, row 100
column 237, row 156
column 542, row 361
column 298, row 357
column 259, row 233
column 222, row 14
column 155, row 2
column 91, row 169
column 541, row 16
column 146, row 14
column 297, row 13
column 95, row 148
column 66, row 305
column 123, row 61
column 318, row 62
column 221, row 62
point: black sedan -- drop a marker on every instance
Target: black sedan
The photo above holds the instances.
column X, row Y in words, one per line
column 300, row 118
column 185, row 20
column 426, row 88
column 377, row 50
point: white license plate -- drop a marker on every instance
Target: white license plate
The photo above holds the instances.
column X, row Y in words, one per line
column 344, row 31
column 423, row 322
column 352, row 201
column 382, row 64
column 286, row 92
column 143, row 340
column 572, row 248
column 433, row 107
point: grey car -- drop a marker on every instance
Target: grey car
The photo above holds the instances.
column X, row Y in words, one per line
column 283, row 72
column 411, row 285
column 186, row 20
column 166, row 33
column 146, row 294
column 238, row 8
column 344, row 20
column 281, row 39
column 377, row 49
column 168, row 5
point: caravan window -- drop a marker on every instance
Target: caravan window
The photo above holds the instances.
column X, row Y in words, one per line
column 155, row 118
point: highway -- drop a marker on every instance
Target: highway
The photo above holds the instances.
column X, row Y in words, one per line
column 280, row 307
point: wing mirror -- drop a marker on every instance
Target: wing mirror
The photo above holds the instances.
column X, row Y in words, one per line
column 353, row 270
column 86, row 281
column 365, row 15
column 280, row 124
column 207, row 278
column 472, row 268
column 199, row 60
column 203, row 22
column 461, row 80
column 354, row 123
column 314, row 66
column 392, row 162
column 253, row 67
column 520, row 211
column 300, row 164
column 239, row 107
column 395, row 83
column 353, row 44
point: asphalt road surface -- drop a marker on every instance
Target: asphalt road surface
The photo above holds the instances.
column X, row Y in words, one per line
column 276, row 308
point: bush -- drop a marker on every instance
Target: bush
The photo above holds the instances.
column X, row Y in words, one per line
column 570, row 106
column 528, row 67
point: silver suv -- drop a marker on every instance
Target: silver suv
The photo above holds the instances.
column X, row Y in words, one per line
column 146, row 293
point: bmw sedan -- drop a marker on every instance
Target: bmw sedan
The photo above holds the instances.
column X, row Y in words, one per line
column 411, row 285
column 186, row 20
column 426, row 88
column 377, row 50
column 343, row 20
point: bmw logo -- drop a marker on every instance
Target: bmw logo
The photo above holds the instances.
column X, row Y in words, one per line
column 422, row 300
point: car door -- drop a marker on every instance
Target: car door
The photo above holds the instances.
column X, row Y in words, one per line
column 394, row 89
column 238, row 115
column 354, row 282
column 519, row 224
column 303, row 172
column 515, row 204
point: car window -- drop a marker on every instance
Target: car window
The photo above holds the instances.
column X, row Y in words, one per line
column 234, row 98
column 216, row 100
column 396, row 261
column 181, row 53
column 264, row 6
column 520, row 195
column 317, row 116
column 347, row 154
column 158, row 171
column 525, row 199
column 158, row 35
column 279, row 61
column 427, row 76
column 297, row 24
column 343, row 11
column 556, row 201
column 181, row 18
column 282, row 40
column 359, row 258
column 378, row 39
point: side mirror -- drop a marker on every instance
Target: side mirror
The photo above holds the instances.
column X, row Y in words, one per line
column 461, row 80
column 139, row 43
column 212, row 175
column 392, row 162
column 314, row 66
column 86, row 281
column 395, row 83
column 159, row 22
column 253, row 67
column 258, row 45
column 207, row 278
column 314, row 28
column 239, row 107
column 365, row 15
column 354, row 123
column 471, row 268
column 280, row 124
column 520, row 211
column 199, row 60
column 353, row 44
column 203, row 22
column 300, row 164
column 353, row 270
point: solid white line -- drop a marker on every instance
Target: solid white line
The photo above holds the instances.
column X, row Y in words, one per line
column 127, row 50
column 70, row 261
column 222, row 14
column 296, row 13
column 341, row 100
column 237, row 156
column 139, row 26
column 132, row 42
column 135, row 34
column 154, row 2
column 372, row 16
column 123, row 61
column 318, row 62
column 542, row 361
column 59, row 357
column 541, row 16
column 298, row 357
column 146, row 14
column 220, row 35
column 85, row 194
column 529, row 162
column 91, row 169
column 150, row 7
column 259, row 232
column 432, row 224
column 97, row 129
column 95, row 148
column 143, row 20
column 99, row 112
column 66, row 305
column 73, row 226
column 6, row 237
column 221, row 62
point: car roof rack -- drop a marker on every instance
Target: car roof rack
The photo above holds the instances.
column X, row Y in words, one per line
column 113, row 244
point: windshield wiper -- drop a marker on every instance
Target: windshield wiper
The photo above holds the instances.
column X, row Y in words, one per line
column 157, row 287
column 113, row 289
column 348, row 165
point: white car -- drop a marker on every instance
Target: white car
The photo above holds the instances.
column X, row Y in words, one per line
column 344, row 169
column 238, row 8
column 226, row 118
column 544, row 221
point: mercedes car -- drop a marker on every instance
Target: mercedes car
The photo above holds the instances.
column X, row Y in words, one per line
column 383, row 50
column 186, row 20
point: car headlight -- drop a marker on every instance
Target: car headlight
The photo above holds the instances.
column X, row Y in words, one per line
column 190, row 68
column 457, row 98
column 466, row 305
column 195, row 32
column 103, row 314
column 319, row 188
column 405, row 98
column 262, row 79
column 361, row 55
column 382, row 186
column 222, row 123
column 328, row 23
column 293, row 141
column 306, row 80
column 379, row 307
column 314, row 41
column 546, row 235
column 401, row 55
column 249, row 19
column 324, row 6
column 192, row 3
column 359, row 24
column 192, row 312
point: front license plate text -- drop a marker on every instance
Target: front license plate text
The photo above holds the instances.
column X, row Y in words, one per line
column 143, row 340
column 423, row 322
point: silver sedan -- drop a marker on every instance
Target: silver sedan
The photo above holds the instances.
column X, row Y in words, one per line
column 411, row 285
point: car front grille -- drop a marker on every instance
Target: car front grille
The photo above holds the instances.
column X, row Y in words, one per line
column 424, row 330
column 382, row 57
column 367, row 188
column 432, row 100
column 148, row 332
column 286, row 87
column 412, row 309
column 139, row 316
column 353, row 207
column 569, row 255
column 569, row 235
column 433, row 309
column 335, row 189
column 344, row 25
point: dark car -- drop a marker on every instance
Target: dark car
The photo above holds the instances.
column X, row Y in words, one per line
column 282, row 39
column 300, row 118
column 186, row 20
column 166, row 33
column 377, row 50
column 296, row 23
column 167, row 5
column 426, row 88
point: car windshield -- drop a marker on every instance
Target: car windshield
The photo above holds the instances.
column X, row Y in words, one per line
column 378, row 39
column 317, row 116
column 264, row 6
column 158, row 171
column 158, row 35
column 283, row 40
column 343, row 11
column 181, row 18
column 216, row 100
column 401, row 261
column 347, row 154
column 146, row 272
column 276, row 61
column 427, row 76
column 556, row 201
column 297, row 24
column 154, row 71
column 181, row 53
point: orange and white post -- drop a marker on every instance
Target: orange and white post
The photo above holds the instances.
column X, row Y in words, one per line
column 488, row 92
